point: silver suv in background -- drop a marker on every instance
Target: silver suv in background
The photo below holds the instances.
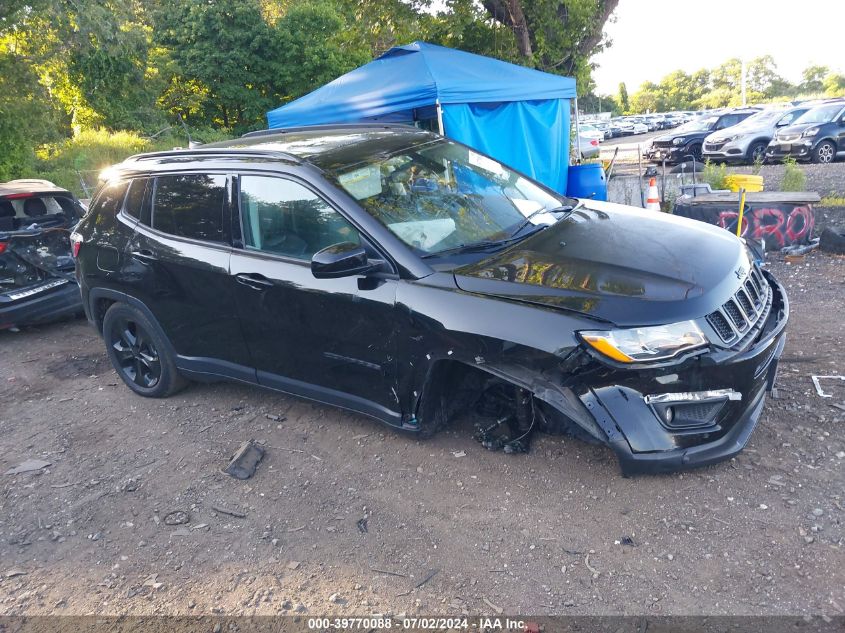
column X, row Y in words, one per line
column 747, row 141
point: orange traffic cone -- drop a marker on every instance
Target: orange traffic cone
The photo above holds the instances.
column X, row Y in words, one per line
column 652, row 203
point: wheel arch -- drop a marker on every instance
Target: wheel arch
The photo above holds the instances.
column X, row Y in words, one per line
column 101, row 299
column 437, row 403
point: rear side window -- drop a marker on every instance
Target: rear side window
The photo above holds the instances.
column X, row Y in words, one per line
column 111, row 197
column 190, row 205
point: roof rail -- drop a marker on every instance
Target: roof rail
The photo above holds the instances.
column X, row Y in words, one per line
column 215, row 151
column 327, row 126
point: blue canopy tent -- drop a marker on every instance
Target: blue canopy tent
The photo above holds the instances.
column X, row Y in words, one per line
column 518, row 115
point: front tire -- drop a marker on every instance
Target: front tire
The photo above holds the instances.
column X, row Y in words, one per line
column 824, row 153
column 756, row 152
column 139, row 353
column 696, row 152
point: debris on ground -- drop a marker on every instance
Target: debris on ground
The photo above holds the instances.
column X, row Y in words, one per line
column 27, row 466
column 245, row 460
column 362, row 525
column 818, row 386
column 177, row 517
column 232, row 513
column 493, row 606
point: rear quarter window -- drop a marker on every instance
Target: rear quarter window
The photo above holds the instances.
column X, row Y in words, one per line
column 137, row 202
column 190, row 205
column 110, row 198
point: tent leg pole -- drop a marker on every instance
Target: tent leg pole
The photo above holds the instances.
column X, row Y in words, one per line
column 577, row 135
column 440, row 117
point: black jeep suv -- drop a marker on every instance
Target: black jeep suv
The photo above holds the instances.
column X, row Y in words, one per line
column 396, row 273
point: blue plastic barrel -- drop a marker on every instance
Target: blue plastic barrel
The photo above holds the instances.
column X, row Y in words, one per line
column 587, row 181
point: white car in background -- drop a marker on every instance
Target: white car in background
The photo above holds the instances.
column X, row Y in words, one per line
column 591, row 131
column 589, row 145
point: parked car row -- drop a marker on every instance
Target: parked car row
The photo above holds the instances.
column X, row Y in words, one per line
column 629, row 125
column 810, row 131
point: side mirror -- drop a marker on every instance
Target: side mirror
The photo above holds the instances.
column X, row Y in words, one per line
column 340, row 260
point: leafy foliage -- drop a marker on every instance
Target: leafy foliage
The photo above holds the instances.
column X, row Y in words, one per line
column 794, row 178
column 722, row 86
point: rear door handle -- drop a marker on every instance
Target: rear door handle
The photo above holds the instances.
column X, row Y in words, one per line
column 144, row 256
column 255, row 281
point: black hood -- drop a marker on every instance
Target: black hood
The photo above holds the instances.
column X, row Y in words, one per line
column 797, row 130
column 621, row 265
column 687, row 136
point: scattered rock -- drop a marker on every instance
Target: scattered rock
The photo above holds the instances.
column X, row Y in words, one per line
column 27, row 466
column 177, row 517
column 294, row 564
column 245, row 460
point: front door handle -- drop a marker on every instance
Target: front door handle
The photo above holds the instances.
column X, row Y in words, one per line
column 255, row 281
column 144, row 256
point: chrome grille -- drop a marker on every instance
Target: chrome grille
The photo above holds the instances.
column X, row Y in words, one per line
column 735, row 314
column 745, row 302
column 742, row 311
column 719, row 323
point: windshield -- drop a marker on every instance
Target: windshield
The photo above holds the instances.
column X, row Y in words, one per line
column 822, row 114
column 697, row 125
column 439, row 195
column 760, row 118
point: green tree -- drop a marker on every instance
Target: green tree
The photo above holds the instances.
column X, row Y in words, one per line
column 226, row 53
column 624, row 102
column 834, row 85
column 556, row 36
column 812, row 79
column 26, row 117
column 312, row 49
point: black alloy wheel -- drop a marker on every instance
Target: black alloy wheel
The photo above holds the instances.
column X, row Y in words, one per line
column 136, row 353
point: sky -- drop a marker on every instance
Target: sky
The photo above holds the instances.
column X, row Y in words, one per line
column 651, row 38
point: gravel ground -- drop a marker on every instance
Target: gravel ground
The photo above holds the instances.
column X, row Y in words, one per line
column 134, row 516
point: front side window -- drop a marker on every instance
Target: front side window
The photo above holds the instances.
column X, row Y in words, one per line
column 283, row 217
column 190, row 205
column 439, row 195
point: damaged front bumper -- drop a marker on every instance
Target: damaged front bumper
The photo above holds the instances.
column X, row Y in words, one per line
column 697, row 413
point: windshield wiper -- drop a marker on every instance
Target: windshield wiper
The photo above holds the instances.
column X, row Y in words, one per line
column 568, row 209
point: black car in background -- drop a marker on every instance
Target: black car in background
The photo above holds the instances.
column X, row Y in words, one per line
column 686, row 142
column 36, row 268
column 818, row 136
column 396, row 273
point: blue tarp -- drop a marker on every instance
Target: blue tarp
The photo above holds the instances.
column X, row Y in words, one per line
column 515, row 114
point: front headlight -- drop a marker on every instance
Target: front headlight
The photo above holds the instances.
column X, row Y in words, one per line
column 646, row 344
column 811, row 131
column 679, row 141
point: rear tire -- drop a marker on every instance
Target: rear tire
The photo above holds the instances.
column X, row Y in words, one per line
column 824, row 153
column 139, row 353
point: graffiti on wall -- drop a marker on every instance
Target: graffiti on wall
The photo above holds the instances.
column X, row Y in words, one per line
column 777, row 225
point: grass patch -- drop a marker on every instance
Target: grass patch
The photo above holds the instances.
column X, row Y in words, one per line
column 715, row 175
column 833, row 201
column 80, row 159
column 794, row 178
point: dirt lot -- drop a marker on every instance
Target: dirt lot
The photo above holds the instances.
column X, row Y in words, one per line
column 339, row 501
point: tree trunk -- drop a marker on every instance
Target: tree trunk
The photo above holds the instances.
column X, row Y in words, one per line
column 510, row 14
